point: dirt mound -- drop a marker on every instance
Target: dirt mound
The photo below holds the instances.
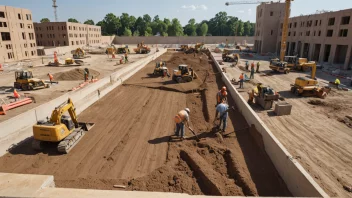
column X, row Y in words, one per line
column 74, row 74
column 317, row 102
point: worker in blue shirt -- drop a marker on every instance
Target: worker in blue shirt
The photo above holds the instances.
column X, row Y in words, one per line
column 222, row 109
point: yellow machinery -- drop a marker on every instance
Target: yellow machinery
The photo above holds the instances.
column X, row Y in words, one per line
column 293, row 62
column 141, row 48
column 279, row 66
column 62, row 129
column 123, row 50
column 70, row 61
column 79, row 53
column 161, row 69
column 111, row 50
column 184, row 74
column 196, row 49
column 229, row 56
column 309, row 86
column 184, row 48
column 25, row 81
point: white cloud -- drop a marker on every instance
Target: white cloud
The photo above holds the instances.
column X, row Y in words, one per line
column 194, row 7
column 241, row 11
column 249, row 11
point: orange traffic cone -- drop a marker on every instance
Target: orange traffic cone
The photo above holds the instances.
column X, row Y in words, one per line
column 51, row 77
column 16, row 95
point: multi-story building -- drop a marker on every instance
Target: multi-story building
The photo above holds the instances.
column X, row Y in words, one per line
column 17, row 40
column 324, row 37
column 67, row 34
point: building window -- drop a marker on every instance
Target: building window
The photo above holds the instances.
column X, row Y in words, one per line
column 345, row 20
column 2, row 14
column 58, row 43
column 19, row 16
column 314, row 33
column 31, row 45
column 329, row 33
column 5, row 36
column 271, row 13
column 69, row 27
column 77, row 43
column 53, row 35
column 316, row 23
column 282, row 25
column 26, row 53
column 41, row 36
column 331, row 21
column 307, row 33
column 294, row 33
column 65, row 43
column 73, row 43
column 320, row 23
column 289, row 33
column 343, row 33
column 29, row 26
column 319, row 33
column 64, row 35
column 21, row 25
column 32, row 53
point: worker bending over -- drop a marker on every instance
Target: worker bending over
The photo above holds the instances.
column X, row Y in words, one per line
column 181, row 119
column 222, row 109
column 51, row 78
column 221, row 95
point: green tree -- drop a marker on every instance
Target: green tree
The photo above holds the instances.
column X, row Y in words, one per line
column 126, row 22
column 175, row 29
column 156, row 18
column 110, row 24
column 203, row 29
column 167, row 22
column 247, row 28
column 147, row 18
column 240, row 29
column 43, row 20
column 89, row 22
column 127, row 32
column 136, row 33
column 141, row 26
column 252, row 29
column 148, row 32
column 190, row 29
column 72, row 20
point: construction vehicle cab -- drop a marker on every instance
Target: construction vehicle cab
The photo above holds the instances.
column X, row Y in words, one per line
column 60, row 128
column 184, row 74
column 279, row 66
column 79, row 53
column 230, row 56
column 26, row 81
column 141, row 48
column 123, row 50
column 309, row 86
column 161, row 69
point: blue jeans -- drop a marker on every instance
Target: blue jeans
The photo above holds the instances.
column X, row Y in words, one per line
column 223, row 120
column 241, row 83
column 180, row 128
column 252, row 74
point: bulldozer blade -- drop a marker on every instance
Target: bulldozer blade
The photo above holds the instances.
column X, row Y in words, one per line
column 86, row 126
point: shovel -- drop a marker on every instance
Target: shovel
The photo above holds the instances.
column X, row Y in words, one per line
column 194, row 134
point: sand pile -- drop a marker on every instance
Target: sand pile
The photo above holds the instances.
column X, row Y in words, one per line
column 74, row 74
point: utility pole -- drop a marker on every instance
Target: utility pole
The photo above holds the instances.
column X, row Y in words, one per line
column 55, row 10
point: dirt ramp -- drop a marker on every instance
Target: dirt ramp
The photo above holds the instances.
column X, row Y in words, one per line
column 74, row 74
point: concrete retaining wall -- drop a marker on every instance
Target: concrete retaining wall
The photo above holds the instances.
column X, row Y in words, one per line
column 18, row 128
column 298, row 181
column 182, row 39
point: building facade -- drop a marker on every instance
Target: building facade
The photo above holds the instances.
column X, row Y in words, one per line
column 56, row 34
column 324, row 37
column 17, row 40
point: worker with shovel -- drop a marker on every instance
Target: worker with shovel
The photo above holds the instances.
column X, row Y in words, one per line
column 181, row 119
column 222, row 109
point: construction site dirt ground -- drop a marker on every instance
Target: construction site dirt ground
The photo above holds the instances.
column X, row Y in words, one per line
column 317, row 133
column 130, row 143
column 68, row 77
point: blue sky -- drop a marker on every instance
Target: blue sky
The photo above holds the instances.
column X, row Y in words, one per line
column 181, row 9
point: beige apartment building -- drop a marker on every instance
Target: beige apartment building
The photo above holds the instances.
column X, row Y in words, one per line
column 324, row 37
column 17, row 40
column 67, row 34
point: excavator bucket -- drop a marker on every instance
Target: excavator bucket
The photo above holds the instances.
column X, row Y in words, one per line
column 86, row 126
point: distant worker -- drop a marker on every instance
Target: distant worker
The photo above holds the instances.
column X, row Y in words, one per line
column 222, row 109
column 126, row 57
column 86, row 74
column 255, row 92
column 181, row 119
column 221, row 95
column 51, row 78
column 241, row 81
column 337, row 83
column 252, row 71
column 258, row 65
column 247, row 65
column 16, row 95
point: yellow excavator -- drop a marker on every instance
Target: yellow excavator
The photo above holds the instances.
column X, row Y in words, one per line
column 184, row 74
column 79, row 53
column 61, row 129
column 141, row 48
column 309, row 86
column 230, row 56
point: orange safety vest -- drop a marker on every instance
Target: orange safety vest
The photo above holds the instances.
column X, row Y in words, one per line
column 15, row 94
column 180, row 117
column 252, row 65
column 220, row 96
column 51, row 77
column 241, row 77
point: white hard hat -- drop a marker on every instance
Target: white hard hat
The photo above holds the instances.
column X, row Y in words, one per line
column 187, row 109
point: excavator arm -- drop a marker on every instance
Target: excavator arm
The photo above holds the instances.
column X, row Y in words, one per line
column 61, row 109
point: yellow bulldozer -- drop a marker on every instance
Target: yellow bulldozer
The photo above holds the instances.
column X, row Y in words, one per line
column 305, row 86
column 196, row 49
column 299, row 64
column 230, row 56
column 141, row 49
column 123, row 49
column 278, row 66
column 161, row 69
column 62, row 129
column 26, row 81
column 184, row 74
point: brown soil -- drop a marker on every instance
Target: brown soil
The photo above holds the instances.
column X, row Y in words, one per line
column 131, row 143
column 74, row 74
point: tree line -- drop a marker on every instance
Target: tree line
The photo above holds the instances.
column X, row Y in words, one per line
column 127, row 25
